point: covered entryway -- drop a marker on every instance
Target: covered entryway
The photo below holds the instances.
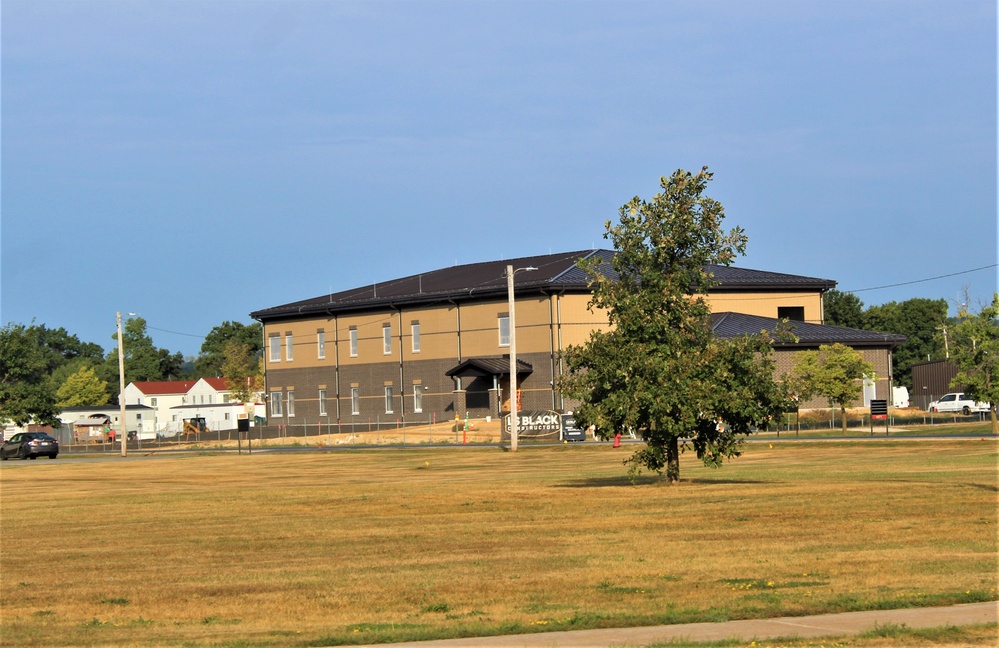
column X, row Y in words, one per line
column 485, row 383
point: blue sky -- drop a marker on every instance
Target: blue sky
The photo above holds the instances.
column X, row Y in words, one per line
column 195, row 161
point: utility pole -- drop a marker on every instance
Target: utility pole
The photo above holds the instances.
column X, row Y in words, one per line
column 121, row 390
column 513, row 360
column 510, row 272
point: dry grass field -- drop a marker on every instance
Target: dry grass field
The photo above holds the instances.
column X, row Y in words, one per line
column 365, row 545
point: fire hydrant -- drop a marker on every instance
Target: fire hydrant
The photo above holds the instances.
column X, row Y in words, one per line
column 617, row 440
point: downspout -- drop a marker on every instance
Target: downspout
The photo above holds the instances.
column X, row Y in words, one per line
column 551, row 346
column 457, row 332
column 336, row 365
column 561, row 368
column 263, row 344
column 402, row 374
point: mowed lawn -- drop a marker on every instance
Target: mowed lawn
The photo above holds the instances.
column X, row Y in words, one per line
column 362, row 546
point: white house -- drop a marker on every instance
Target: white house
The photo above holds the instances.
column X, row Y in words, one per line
column 176, row 400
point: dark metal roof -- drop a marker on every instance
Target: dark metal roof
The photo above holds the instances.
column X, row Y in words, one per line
column 474, row 367
column 555, row 273
column 730, row 325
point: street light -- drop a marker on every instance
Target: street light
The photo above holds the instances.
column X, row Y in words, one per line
column 121, row 390
column 510, row 272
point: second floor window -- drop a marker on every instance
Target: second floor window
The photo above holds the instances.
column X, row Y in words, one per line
column 387, row 338
column 416, row 337
column 275, row 347
column 353, row 343
column 504, row 330
column 289, row 347
column 321, row 343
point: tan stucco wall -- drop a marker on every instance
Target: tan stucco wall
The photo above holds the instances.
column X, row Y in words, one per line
column 766, row 304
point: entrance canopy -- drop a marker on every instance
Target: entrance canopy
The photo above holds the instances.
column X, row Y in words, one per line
column 480, row 367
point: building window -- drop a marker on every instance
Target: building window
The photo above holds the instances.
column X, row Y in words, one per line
column 152, row 402
column 417, row 398
column 791, row 313
column 353, row 342
column 355, row 400
column 289, row 347
column 291, row 403
column 387, row 338
column 276, row 406
column 275, row 346
column 388, row 399
column 321, row 343
column 416, row 337
column 504, row 330
column 322, row 402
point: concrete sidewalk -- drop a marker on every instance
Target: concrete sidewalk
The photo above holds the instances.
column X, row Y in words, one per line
column 819, row 625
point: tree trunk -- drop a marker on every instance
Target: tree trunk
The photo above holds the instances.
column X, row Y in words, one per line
column 673, row 460
column 995, row 423
column 842, row 411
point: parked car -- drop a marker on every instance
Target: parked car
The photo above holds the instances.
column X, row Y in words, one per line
column 957, row 402
column 28, row 445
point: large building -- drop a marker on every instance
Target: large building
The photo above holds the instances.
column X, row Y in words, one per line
column 436, row 345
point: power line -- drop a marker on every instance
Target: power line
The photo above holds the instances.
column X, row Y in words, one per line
column 909, row 283
column 153, row 328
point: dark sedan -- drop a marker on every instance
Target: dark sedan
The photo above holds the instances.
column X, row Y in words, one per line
column 29, row 445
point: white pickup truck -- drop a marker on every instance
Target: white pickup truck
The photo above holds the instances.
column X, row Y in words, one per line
column 956, row 402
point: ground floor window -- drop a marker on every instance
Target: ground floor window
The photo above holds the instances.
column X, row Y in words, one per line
column 291, row 403
column 277, row 405
column 388, row 399
column 322, row 402
column 417, row 398
column 355, row 400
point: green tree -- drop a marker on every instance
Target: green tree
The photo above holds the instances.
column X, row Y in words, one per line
column 82, row 388
column 143, row 360
column 212, row 357
column 843, row 309
column 835, row 371
column 26, row 395
column 243, row 371
column 976, row 353
column 921, row 321
column 657, row 369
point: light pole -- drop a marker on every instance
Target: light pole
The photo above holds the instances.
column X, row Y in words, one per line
column 510, row 272
column 121, row 390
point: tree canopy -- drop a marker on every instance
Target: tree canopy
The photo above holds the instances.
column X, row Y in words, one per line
column 976, row 353
column 842, row 309
column 213, row 350
column 26, row 393
column 143, row 360
column 657, row 369
column 243, row 371
column 921, row 321
column 82, row 388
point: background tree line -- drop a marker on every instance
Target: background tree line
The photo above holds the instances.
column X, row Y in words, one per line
column 44, row 370
column 924, row 322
